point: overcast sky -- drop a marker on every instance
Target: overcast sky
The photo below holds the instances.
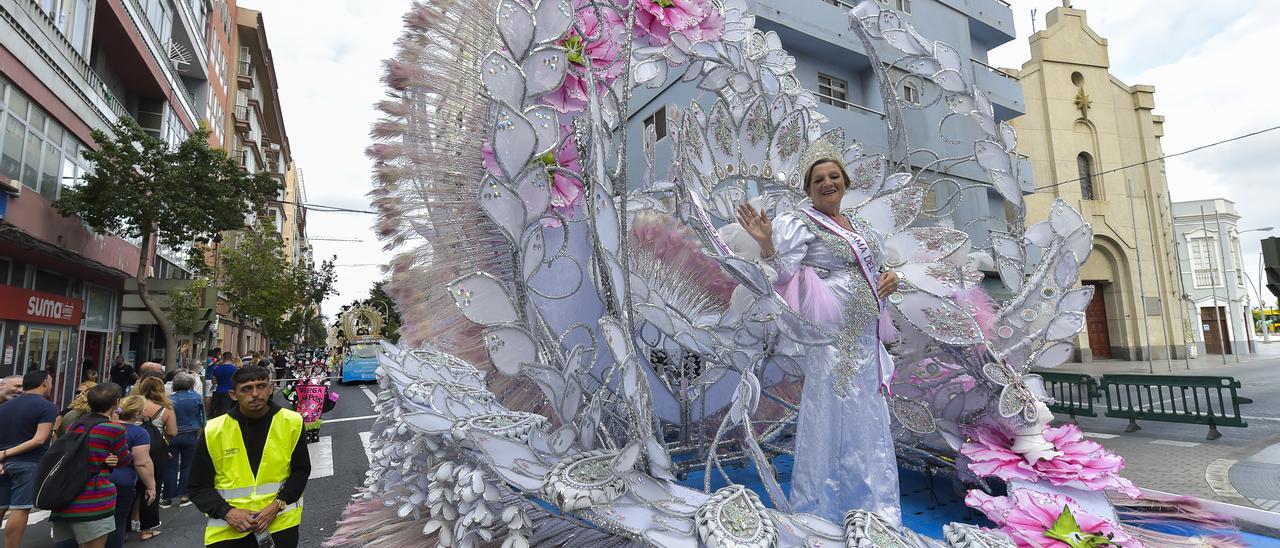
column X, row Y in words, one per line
column 1212, row 64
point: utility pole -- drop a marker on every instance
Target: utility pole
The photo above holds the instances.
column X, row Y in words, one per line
column 1142, row 291
column 1222, row 251
column 1182, row 301
column 1213, row 285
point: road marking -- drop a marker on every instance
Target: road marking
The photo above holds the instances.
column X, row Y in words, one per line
column 1252, row 418
column 36, row 516
column 364, row 440
column 321, row 457
column 1176, row 443
column 1100, row 436
column 346, row 419
column 373, row 398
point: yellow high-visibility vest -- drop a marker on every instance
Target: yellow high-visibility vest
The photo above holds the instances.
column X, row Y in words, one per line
column 234, row 479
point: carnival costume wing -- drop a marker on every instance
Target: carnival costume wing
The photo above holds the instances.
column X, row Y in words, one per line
column 567, row 330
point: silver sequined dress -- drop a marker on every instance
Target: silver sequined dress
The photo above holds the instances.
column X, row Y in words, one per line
column 844, row 450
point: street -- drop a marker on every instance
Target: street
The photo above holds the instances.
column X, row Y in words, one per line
column 338, row 464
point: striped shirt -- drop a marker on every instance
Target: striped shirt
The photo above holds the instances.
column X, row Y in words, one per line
column 98, row 499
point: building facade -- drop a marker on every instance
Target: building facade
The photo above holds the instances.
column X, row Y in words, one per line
column 255, row 136
column 833, row 64
column 68, row 67
column 1082, row 125
column 1219, row 293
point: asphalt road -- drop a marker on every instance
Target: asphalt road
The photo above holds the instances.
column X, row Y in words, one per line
column 338, row 465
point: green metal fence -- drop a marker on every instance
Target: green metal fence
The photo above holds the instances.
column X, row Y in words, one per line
column 1207, row 400
column 1073, row 393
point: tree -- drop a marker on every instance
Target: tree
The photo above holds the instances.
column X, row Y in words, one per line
column 184, row 306
column 258, row 280
column 264, row 287
column 142, row 188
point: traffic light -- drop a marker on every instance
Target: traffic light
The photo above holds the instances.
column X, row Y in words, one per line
column 1271, row 259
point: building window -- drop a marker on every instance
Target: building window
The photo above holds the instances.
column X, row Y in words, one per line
column 834, row 2
column 32, row 152
column 833, row 91
column 911, row 94
column 1204, row 262
column 1084, row 163
column 657, row 121
column 904, row 6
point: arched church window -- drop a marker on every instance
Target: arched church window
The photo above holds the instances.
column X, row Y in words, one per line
column 1084, row 163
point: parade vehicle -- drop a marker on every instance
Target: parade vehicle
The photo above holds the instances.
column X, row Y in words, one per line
column 361, row 341
column 589, row 356
column 361, row 362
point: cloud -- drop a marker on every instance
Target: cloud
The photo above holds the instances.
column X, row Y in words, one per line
column 328, row 62
column 1211, row 66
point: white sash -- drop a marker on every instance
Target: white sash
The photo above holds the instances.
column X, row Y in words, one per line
column 869, row 266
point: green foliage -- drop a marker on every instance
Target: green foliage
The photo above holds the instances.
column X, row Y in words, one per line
column 141, row 187
column 263, row 286
column 256, row 277
column 184, row 306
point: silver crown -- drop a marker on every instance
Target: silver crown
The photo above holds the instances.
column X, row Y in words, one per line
column 821, row 150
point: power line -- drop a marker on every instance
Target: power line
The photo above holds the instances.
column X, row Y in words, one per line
column 1174, row 155
column 327, row 208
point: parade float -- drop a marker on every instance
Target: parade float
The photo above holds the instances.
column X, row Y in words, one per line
column 592, row 359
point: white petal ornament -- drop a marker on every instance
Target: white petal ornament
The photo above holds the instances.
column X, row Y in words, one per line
column 584, row 480
column 482, row 299
column 734, row 518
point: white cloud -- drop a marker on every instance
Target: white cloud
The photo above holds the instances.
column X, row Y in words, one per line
column 1213, row 72
column 328, row 59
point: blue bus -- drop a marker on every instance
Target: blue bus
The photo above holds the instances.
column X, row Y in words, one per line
column 361, row 362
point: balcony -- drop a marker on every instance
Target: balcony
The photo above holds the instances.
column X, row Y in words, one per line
column 1003, row 88
column 241, row 118
column 244, row 74
column 241, row 156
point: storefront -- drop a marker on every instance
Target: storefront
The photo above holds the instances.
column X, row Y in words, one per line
column 40, row 332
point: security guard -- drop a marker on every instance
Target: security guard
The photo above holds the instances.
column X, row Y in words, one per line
column 250, row 468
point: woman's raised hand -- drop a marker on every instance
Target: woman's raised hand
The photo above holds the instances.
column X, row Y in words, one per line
column 758, row 226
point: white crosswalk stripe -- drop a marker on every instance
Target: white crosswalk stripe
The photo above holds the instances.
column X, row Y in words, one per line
column 1099, row 435
column 33, row 518
column 364, row 440
column 373, row 398
column 321, row 457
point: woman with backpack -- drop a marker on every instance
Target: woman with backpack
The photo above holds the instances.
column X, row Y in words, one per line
column 161, row 425
column 126, row 478
column 79, row 407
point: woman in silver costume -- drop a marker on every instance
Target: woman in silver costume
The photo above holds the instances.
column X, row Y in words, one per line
column 828, row 269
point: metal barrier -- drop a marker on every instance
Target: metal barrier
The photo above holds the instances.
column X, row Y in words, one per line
column 1211, row 401
column 1073, row 393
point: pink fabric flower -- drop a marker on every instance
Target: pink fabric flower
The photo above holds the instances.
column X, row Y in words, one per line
column 675, row 14
column 698, row 19
column 1025, row 515
column 606, row 25
column 1083, row 464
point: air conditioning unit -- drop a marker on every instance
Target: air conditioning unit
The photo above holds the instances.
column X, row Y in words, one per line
column 10, row 186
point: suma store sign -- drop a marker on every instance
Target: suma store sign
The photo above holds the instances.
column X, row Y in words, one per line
column 26, row 305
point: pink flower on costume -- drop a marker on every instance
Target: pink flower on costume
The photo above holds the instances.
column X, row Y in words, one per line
column 674, row 14
column 566, row 191
column 1084, row 464
column 698, row 20
column 603, row 54
column 1026, row 515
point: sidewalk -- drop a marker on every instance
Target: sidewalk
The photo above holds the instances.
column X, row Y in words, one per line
column 1242, row 467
